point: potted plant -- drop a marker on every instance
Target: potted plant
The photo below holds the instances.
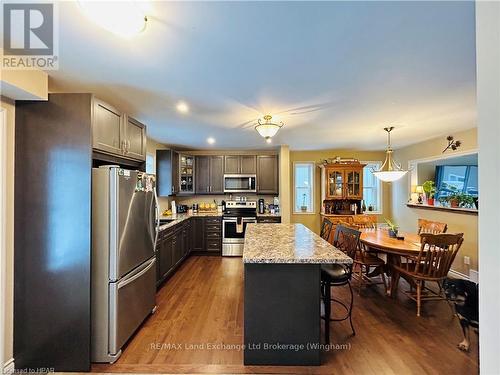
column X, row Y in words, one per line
column 430, row 190
column 303, row 208
column 457, row 199
column 393, row 229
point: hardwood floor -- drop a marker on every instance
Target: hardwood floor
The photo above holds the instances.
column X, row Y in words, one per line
column 203, row 303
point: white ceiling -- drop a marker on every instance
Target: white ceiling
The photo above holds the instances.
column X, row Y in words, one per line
column 344, row 69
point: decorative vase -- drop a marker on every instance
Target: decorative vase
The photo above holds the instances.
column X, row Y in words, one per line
column 430, row 201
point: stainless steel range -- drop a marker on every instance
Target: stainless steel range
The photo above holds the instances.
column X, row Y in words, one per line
column 234, row 222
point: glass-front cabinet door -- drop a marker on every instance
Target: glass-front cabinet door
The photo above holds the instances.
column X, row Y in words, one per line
column 335, row 181
column 353, row 184
column 186, row 175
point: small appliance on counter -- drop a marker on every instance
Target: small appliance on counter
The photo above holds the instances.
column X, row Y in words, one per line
column 262, row 206
column 195, row 208
column 182, row 208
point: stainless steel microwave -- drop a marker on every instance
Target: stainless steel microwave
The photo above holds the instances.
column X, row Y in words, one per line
column 240, row 183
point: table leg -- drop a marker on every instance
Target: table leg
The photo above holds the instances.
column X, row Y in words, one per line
column 392, row 260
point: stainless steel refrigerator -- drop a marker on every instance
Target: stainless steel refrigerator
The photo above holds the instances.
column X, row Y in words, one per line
column 124, row 212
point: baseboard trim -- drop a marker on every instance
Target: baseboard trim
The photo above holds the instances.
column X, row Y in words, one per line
column 458, row 275
column 473, row 275
column 8, row 367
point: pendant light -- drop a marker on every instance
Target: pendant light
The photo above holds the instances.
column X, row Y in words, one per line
column 390, row 170
column 268, row 129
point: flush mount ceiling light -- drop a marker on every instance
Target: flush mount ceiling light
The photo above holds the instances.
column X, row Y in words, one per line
column 390, row 170
column 268, row 129
column 124, row 18
column 210, row 140
column 182, row 107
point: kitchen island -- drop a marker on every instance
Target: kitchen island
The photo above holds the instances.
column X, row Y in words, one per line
column 282, row 293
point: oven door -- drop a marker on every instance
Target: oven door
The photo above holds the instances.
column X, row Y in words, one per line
column 240, row 183
column 233, row 229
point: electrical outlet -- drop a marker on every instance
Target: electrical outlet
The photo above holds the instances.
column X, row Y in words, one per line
column 466, row 260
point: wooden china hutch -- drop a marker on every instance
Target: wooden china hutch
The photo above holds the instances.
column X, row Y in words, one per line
column 341, row 189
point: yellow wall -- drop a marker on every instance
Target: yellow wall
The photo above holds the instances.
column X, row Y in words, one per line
column 8, row 108
column 407, row 217
column 25, row 84
column 313, row 221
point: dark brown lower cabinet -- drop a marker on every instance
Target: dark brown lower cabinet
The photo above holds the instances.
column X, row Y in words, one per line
column 198, row 231
column 200, row 235
column 173, row 246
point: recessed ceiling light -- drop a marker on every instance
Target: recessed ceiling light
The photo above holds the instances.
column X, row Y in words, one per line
column 210, row 140
column 182, row 107
column 126, row 18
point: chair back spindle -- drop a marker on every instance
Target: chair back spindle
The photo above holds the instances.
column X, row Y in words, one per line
column 437, row 253
column 429, row 226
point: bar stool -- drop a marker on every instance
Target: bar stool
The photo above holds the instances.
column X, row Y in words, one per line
column 333, row 275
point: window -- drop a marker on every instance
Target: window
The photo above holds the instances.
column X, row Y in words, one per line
column 459, row 177
column 303, row 185
column 150, row 164
column 372, row 187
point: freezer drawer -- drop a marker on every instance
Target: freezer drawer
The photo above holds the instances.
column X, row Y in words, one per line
column 131, row 300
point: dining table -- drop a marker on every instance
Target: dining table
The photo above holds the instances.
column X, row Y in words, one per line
column 378, row 240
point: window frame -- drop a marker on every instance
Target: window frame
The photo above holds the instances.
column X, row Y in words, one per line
column 153, row 155
column 380, row 187
column 313, row 193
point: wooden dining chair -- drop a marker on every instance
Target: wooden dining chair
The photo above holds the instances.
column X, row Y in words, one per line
column 365, row 221
column 333, row 275
column 432, row 264
column 326, row 229
column 429, row 226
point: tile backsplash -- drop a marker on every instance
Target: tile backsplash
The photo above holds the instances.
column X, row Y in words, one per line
column 165, row 202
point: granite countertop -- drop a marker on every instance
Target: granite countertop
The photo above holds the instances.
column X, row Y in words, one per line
column 269, row 215
column 179, row 218
column 288, row 243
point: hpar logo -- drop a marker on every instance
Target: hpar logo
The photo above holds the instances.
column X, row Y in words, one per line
column 29, row 36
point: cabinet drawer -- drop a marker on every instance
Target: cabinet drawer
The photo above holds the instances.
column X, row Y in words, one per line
column 211, row 235
column 214, row 245
column 212, row 220
column 213, row 228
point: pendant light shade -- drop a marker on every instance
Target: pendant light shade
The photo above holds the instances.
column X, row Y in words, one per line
column 267, row 129
column 389, row 171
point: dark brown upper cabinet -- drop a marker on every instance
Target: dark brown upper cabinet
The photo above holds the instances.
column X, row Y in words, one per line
column 186, row 174
column 209, row 174
column 134, row 135
column 167, row 172
column 202, row 174
column 217, row 174
column 267, row 174
column 117, row 134
column 107, row 128
column 240, row 164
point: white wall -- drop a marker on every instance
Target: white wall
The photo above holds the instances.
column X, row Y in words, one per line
column 488, row 107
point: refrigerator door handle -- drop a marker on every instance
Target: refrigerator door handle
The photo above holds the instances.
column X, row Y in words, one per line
column 157, row 218
column 129, row 280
